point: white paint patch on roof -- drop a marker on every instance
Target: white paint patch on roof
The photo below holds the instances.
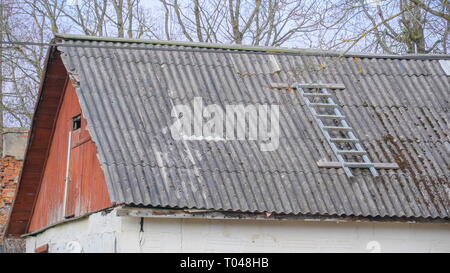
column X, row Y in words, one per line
column 445, row 64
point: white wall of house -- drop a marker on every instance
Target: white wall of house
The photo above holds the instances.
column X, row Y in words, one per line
column 110, row 233
column 95, row 233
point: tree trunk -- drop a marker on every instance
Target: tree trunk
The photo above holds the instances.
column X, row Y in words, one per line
column 118, row 6
column 413, row 29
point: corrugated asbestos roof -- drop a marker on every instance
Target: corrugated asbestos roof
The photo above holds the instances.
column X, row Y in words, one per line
column 399, row 108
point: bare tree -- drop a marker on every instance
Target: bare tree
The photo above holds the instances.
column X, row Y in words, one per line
column 398, row 26
column 2, row 27
column 118, row 18
column 38, row 21
column 257, row 22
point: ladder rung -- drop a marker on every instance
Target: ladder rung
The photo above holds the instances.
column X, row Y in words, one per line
column 351, row 152
column 317, row 95
column 330, row 116
column 358, row 165
column 344, row 140
column 324, row 104
column 338, row 128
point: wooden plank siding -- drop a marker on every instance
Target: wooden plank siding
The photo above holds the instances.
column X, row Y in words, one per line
column 39, row 199
column 87, row 188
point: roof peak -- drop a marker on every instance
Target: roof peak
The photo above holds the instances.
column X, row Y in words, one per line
column 250, row 48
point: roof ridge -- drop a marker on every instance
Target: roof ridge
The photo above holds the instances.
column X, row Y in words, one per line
column 251, row 48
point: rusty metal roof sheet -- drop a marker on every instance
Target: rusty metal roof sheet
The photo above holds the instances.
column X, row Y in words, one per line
column 399, row 108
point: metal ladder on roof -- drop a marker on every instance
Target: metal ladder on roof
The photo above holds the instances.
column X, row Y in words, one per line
column 318, row 92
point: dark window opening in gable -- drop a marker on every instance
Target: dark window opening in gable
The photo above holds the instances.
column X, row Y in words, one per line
column 76, row 123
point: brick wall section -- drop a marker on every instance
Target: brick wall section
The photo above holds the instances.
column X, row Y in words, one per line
column 9, row 174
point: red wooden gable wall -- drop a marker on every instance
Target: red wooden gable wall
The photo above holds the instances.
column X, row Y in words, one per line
column 87, row 190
